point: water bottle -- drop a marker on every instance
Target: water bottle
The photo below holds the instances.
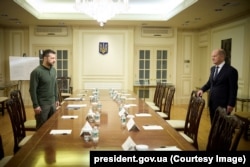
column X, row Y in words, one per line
column 99, row 107
column 95, row 98
column 111, row 92
column 95, row 134
column 123, row 120
column 118, row 98
column 114, row 95
column 97, row 118
column 120, row 107
column 90, row 116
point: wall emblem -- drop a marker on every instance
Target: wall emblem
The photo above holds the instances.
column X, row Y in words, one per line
column 103, row 47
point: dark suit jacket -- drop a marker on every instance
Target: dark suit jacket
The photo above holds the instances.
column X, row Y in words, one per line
column 223, row 90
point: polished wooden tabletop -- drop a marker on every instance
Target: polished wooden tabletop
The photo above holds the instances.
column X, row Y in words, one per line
column 45, row 149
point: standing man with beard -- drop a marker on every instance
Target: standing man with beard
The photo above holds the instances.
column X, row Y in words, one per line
column 43, row 88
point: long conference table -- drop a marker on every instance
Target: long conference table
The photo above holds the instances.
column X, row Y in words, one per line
column 45, row 149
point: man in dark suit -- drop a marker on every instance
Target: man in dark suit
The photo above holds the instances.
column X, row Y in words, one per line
column 222, row 83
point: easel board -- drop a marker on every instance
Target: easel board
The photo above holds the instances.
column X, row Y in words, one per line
column 21, row 67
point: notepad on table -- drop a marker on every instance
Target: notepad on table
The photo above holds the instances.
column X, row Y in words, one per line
column 69, row 116
column 74, row 99
column 61, row 132
column 143, row 115
column 152, row 127
column 130, row 105
column 75, row 106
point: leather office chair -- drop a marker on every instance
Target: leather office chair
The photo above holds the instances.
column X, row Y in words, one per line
column 180, row 124
column 192, row 121
column 29, row 125
column 20, row 138
column 165, row 113
column 225, row 132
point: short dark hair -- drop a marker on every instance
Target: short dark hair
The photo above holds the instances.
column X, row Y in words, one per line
column 47, row 52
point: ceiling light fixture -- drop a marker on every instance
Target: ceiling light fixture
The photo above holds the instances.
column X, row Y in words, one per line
column 102, row 10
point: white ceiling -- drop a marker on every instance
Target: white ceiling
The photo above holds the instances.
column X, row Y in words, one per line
column 190, row 14
column 155, row 10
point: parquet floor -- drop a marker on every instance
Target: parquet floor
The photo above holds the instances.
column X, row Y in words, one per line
column 177, row 112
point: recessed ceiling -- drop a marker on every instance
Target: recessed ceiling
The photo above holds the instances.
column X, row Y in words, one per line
column 190, row 14
column 150, row 10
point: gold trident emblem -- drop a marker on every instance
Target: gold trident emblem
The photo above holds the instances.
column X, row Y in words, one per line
column 103, row 47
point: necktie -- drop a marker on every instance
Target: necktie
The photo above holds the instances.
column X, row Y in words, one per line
column 216, row 72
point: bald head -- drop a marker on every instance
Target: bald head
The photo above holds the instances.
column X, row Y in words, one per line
column 218, row 56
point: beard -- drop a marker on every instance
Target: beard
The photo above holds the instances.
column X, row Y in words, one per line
column 50, row 64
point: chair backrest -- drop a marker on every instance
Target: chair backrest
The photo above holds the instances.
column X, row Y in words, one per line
column 162, row 91
column 168, row 101
column 64, row 84
column 13, row 108
column 156, row 93
column 18, row 95
column 60, row 98
column 225, row 132
column 193, row 94
column 193, row 117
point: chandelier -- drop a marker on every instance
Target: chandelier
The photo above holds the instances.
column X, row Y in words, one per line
column 101, row 10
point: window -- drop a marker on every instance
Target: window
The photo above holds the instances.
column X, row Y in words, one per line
column 151, row 67
column 62, row 63
column 161, row 65
column 144, row 66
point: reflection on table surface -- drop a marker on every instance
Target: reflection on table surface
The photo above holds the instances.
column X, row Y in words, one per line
column 45, row 149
